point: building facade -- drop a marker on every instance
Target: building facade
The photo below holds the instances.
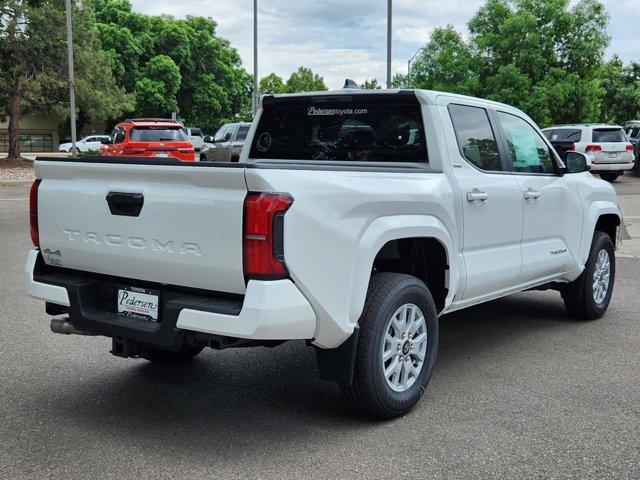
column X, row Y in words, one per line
column 37, row 134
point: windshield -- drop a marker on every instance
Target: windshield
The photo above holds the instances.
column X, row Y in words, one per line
column 157, row 135
column 360, row 128
column 608, row 135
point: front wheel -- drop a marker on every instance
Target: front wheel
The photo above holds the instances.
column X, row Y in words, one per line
column 588, row 296
column 397, row 347
column 610, row 177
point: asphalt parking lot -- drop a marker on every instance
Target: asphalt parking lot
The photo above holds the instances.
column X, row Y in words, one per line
column 520, row 390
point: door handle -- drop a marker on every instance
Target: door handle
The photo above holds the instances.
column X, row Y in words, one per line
column 476, row 195
column 531, row 194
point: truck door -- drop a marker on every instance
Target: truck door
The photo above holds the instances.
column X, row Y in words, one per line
column 552, row 226
column 491, row 201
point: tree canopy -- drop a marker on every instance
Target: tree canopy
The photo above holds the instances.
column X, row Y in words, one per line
column 33, row 59
column 302, row 80
column 174, row 65
column 543, row 56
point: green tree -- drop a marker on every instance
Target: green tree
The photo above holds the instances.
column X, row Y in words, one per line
column 370, row 84
column 542, row 56
column 33, row 75
column 447, row 63
column 156, row 89
column 304, row 80
column 214, row 88
column 272, row 83
column 622, row 91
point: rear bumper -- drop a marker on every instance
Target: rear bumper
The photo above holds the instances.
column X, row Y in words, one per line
column 609, row 167
column 270, row 310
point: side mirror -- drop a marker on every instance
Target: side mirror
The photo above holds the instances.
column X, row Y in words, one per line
column 577, row 162
column 226, row 137
column 208, row 139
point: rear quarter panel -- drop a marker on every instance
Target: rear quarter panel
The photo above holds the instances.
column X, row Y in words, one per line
column 338, row 222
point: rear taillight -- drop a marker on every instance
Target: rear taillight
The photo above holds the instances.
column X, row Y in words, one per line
column 263, row 235
column 33, row 214
column 629, row 148
column 133, row 150
column 593, row 148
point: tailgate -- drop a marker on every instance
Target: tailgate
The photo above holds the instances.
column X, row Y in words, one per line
column 188, row 231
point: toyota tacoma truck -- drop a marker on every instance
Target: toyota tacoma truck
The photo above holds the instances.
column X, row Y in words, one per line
column 353, row 220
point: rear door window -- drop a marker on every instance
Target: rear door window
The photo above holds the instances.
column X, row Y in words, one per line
column 567, row 135
column 139, row 134
column 351, row 128
column 609, row 135
column 475, row 136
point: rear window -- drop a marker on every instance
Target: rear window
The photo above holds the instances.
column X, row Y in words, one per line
column 609, row 135
column 565, row 135
column 352, row 128
column 195, row 132
column 242, row 132
column 157, row 135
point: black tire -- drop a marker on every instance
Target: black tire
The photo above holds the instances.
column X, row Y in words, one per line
column 203, row 158
column 370, row 392
column 166, row 357
column 578, row 295
column 610, row 177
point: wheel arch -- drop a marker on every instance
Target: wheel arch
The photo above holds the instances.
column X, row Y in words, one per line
column 602, row 216
column 382, row 239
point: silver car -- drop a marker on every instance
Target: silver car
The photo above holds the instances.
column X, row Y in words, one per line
column 226, row 144
column 607, row 147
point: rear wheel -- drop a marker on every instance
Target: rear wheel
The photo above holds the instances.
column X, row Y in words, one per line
column 166, row 357
column 588, row 296
column 610, row 177
column 397, row 347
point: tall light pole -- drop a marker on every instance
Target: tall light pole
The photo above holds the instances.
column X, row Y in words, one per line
column 72, row 80
column 409, row 66
column 256, row 93
column 389, row 22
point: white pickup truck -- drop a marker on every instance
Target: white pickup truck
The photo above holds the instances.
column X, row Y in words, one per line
column 352, row 221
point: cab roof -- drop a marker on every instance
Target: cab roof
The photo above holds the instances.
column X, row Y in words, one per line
column 153, row 122
column 428, row 97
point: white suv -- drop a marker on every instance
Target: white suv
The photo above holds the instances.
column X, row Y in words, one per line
column 607, row 147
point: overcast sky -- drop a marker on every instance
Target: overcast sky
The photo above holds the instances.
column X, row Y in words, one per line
column 341, row 39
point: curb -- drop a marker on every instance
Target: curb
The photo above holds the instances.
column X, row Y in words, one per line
column 16, row 183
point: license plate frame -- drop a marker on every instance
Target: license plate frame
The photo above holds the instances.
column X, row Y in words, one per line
column 162, row 155
column 137, row 302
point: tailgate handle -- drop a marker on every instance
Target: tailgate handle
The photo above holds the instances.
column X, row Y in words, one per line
column 125, row 204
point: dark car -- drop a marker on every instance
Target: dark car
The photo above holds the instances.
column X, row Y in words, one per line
column 632, row 130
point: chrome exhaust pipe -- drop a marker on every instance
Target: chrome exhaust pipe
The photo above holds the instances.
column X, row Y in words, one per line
column 61, row 324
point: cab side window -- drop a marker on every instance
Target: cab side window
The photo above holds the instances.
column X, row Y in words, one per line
column 475, row 136
column 118, row 135
column 220, row 133
column 529, row 152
